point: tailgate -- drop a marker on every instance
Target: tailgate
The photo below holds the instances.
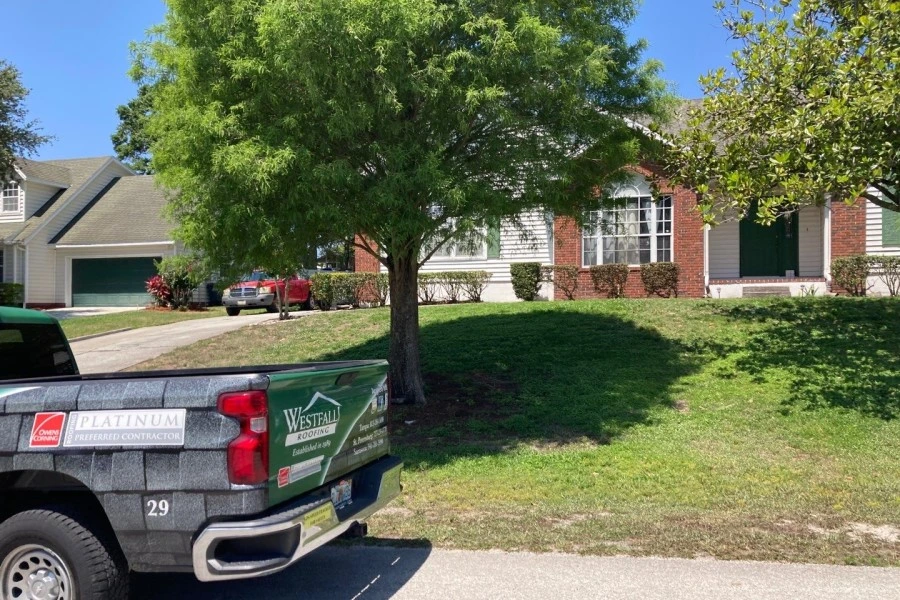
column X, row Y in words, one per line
column 324, row 424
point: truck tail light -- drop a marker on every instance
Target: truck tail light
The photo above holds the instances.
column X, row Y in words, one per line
column 248, row 453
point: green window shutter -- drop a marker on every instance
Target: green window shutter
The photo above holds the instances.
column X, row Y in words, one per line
column 890, row 227
column 493, row 240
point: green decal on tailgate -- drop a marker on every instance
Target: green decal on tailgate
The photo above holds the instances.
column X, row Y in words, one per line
column 324, row 424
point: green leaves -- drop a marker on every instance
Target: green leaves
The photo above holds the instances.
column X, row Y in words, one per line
column 810, row 111
column 18, row 136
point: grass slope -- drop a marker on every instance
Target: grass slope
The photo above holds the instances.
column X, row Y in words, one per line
column 763, row 429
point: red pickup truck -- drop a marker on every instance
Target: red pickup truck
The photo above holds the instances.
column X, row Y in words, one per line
column 258, row 290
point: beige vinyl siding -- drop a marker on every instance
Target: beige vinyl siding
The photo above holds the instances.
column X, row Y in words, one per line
column 36, row 195
column 41, row 286
column 533, row 246
column 874, row 243
column 64, row 258
column 8, row 264
column 725, row 250
column 810, row 245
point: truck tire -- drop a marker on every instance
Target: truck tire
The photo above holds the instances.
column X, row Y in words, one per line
column 274, row 307
column 46, row 554
column 232, row 311
column 308, row 303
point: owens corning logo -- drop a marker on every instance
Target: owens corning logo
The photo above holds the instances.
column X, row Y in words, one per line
column 318, row 419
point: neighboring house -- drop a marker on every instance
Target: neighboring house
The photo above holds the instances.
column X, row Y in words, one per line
column 82, row 232
column 737, row 258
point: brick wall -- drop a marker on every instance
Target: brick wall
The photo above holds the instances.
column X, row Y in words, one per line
column 848, row 228
column 688, row 245
column 365, row 262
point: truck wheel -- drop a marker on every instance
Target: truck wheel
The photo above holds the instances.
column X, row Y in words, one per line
column 308, row 303
column 273, row 308
column 48, row 555
column 231, row 311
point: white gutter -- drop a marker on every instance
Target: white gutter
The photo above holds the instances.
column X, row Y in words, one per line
column 122, row 245
column 25, row 280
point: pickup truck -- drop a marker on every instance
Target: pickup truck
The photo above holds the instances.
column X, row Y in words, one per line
column 226, row 473
column 259, row 290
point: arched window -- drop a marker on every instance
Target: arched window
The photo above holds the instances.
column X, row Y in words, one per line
column 636, row 230
column 10, row 199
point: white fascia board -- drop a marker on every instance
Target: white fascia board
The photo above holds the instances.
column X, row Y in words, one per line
column 122, row 245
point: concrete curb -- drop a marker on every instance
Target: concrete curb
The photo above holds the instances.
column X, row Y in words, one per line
column 101, row 334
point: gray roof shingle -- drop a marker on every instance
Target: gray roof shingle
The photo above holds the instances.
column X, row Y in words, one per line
column 129, row 212
column 44, row 170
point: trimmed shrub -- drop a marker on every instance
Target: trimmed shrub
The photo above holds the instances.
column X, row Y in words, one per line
column 851, row 273
column 429, row 285
column 156, row 287
column 321, row 286
column 660, row 278
column 887, row 268
column 564, row 277
column 526, row 280
column 452, row 284
column 12, row 294
column 182, row 274
column 611, row 279
column 474, row 283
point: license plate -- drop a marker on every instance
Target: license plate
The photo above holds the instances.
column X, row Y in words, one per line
column 341, row 493
column 242, row 303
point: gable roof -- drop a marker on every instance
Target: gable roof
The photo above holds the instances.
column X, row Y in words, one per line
column 127, row 211
column 81, row 170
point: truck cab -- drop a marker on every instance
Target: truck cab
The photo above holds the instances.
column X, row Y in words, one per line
column 260, row 290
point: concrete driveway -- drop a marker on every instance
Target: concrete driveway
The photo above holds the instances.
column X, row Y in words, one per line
column 92, row 311
column 376, row 573
column 119, row 351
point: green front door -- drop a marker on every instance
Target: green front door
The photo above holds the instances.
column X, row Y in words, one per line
column 769, row 250
column 111, row 281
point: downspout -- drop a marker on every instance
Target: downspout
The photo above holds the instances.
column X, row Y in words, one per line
column 826, row 241
column 706, row 260
column 25, row 281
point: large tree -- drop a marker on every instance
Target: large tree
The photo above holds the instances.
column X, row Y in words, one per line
column 810, row 110
column 131, row 139
column 18, row 135
column 409, row 122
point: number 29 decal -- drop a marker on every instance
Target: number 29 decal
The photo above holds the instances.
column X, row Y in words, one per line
column 157, row 508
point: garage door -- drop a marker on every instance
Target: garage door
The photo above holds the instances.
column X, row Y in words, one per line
column 111, row 281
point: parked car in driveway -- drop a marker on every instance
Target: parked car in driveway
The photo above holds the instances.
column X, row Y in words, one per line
column 259, row 290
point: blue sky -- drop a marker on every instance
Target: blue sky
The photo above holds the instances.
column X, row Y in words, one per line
column 74, row 57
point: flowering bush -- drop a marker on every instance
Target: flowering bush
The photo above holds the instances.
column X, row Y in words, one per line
column 157, row 287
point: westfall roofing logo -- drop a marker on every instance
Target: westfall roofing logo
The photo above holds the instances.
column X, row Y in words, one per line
column 47, row 430
column 318, row 419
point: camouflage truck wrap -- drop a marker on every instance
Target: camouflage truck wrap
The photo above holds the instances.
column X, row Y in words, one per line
column 229, row 474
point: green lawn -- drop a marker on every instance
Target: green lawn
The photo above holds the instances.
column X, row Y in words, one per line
column 763, row 429
column 80, row 326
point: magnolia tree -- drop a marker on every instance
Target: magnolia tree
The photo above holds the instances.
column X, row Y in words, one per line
column 811, row 109
column 412, row 124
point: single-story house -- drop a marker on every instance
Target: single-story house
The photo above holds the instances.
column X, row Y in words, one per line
column 82, row 232
column 734, row 259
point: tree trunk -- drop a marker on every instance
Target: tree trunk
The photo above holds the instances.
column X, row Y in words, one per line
column 406, row 370
column 284, row 313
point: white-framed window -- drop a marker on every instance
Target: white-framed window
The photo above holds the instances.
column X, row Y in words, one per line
column 469, row 247
column 638, row 230
column 9, row 203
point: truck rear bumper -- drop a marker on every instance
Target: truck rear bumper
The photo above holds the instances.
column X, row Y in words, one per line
column 270, row 543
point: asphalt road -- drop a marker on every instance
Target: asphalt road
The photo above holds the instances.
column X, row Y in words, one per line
column 118, row 351
column 373, row 573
